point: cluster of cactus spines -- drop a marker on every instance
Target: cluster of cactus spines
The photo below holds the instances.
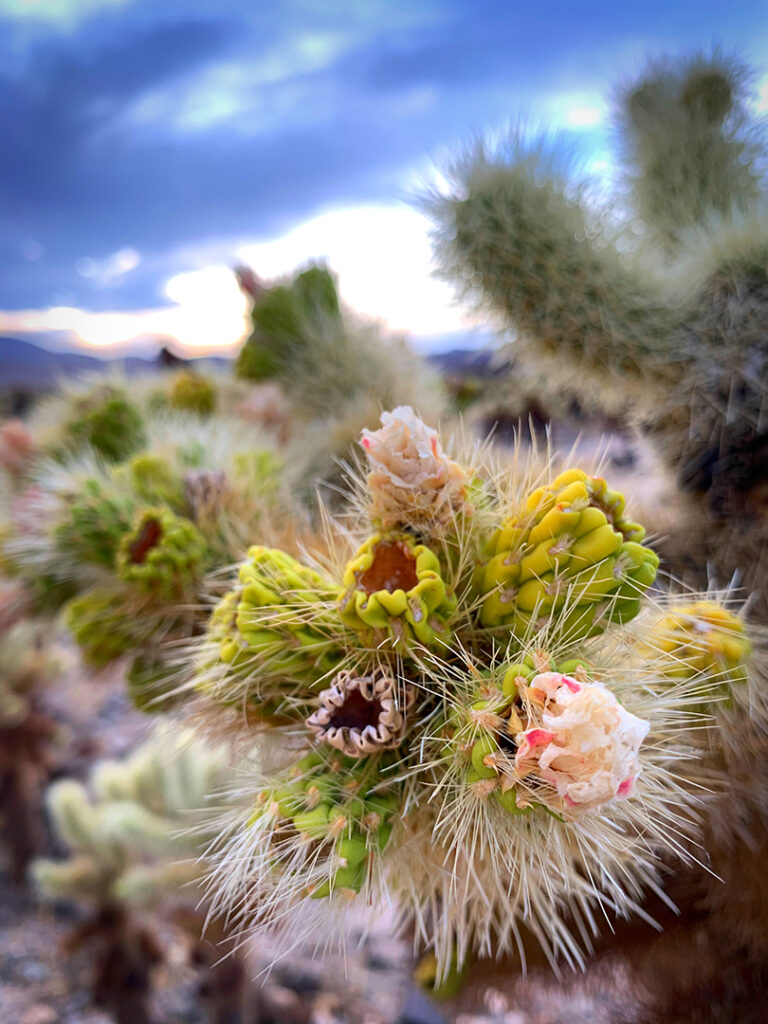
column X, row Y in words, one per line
column 686, row 347
column 527, row 771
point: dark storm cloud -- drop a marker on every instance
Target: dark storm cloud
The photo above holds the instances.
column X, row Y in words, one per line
column 157, row 127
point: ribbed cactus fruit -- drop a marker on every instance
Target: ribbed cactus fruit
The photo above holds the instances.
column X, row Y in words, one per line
column 704, row 639
column 193, row 393
column 162, row 554
column 109, row 422
column 394, row 587
column 96, row 522
column 572, row 548
column 272, row 637
column 104, row 625
column 531, row 772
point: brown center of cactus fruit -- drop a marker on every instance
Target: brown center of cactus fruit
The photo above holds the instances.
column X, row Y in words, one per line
column 393, row 568
column 149, row 536
column 356, row 712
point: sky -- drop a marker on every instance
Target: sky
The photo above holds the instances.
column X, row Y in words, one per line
column 148, row 146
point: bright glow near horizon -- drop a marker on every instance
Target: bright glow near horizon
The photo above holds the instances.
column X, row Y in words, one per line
column 382, row 256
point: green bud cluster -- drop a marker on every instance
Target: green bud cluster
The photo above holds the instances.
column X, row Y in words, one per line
column 193, row 393
column 103, row 626
column 331, row 802
column 570, row 545
column 162, row 554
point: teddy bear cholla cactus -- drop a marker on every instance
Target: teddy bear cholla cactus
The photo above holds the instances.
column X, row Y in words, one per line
column 677, row 324
column 494, row 777
column 128, row 546
column 135, row 834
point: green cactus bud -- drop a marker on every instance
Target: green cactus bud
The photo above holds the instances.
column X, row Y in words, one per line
column 162, row 554
column 193, row 393
column 277, row 617
column 395, row 585
column 574, row 544
column 96, row 522
column 109, row 422
column 103, row 626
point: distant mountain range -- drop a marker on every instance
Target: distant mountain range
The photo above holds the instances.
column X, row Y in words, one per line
column 27, row 367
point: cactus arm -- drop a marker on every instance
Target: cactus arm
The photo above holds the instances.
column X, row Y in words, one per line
column 511, row 238
column 690, row 147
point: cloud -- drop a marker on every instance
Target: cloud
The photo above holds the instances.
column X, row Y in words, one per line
column 177, row 129
column 58, row 12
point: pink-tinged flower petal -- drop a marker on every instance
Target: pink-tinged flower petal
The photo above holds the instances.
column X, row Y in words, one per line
column 588, row 744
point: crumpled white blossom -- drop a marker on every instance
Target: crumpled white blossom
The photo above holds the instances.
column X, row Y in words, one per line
column 587, row 744
column 412, row 481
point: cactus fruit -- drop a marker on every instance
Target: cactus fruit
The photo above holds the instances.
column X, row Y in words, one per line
column 270, row 637
column 152, row 480
column 109, row 422
column 394, row 586
column 361, row 714
column 161, row 554
column 341, row 821
column 702, row 639
column 571, row 546
column 193, row 393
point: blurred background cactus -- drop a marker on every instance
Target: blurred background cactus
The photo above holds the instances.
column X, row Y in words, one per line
column 659, row 294
column 134, row 839
column 27, row 732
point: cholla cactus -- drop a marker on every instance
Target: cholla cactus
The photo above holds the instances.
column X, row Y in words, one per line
column 27, row 666
column 487, row 780
column 335, row 369
column 676, row 326
column 107, row 421
column 193, row 393
column 134, row 837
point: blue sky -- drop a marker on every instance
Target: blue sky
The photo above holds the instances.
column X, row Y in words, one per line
column 148, row 146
